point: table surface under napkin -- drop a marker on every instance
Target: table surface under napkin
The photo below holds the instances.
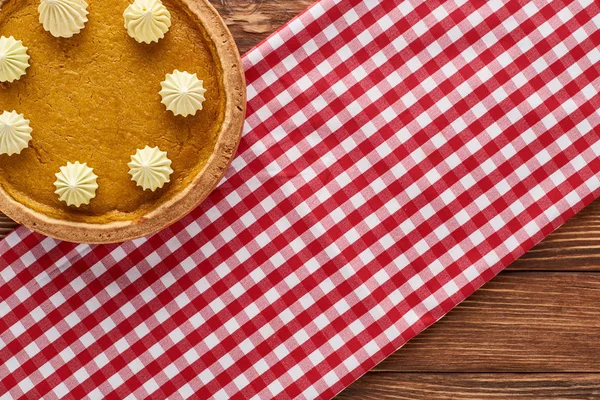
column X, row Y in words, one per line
column 510, row 336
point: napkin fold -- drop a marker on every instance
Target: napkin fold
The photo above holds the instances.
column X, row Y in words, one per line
column 396, row 156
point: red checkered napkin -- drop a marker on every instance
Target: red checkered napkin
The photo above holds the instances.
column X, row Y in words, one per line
column 396, row 156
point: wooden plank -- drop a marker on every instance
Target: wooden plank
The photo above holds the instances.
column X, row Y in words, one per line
column 6, row 225
column 519, row 322
column 404, row 386
column 575, row 246
column 251, row 21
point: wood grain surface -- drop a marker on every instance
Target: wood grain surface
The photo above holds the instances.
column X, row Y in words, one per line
column 468, row 386
column 531, row 333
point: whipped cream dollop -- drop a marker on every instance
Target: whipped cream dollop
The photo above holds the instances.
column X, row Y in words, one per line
column 76, row 184
column 182, row 93
column 150, row 168
column 147, row 21
column 14, row 59
column 15, row 133
column 63, row 18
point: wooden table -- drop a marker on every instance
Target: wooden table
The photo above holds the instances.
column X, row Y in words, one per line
column 533, row 332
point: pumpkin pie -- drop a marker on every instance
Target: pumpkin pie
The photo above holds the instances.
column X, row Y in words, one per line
column 94, row 98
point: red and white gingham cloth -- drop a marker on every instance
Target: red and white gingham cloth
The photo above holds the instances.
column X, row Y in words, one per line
column 396, row 156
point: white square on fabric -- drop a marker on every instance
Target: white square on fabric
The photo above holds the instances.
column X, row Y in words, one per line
column 275, row 387
column 186, row 391
column 450, row 288
column 351, row 16
column 414, row 64
column 410, row 317
column 416, row 282
column 419, row 28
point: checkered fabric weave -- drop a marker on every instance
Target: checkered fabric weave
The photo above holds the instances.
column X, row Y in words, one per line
column 396, row 156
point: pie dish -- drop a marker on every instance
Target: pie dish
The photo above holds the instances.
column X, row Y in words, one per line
column 94, row 98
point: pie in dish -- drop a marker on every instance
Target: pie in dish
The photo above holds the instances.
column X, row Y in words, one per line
column 96, row 97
